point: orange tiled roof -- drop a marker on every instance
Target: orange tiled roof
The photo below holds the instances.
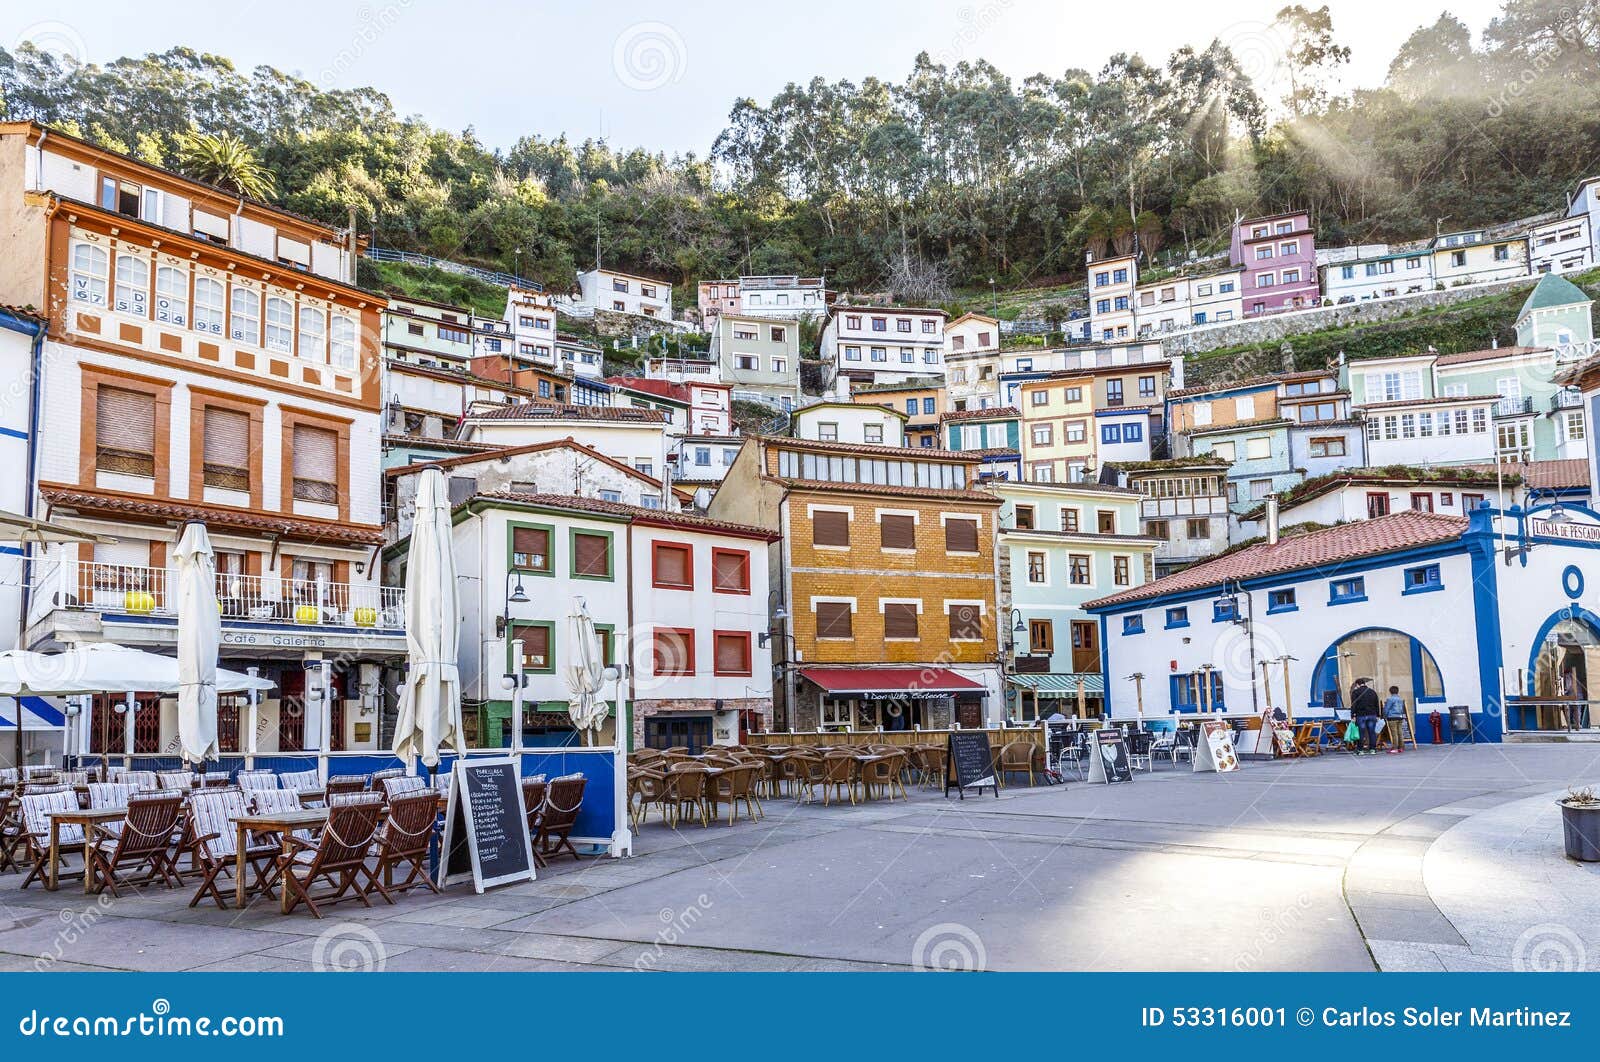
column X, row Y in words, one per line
column 1315, row 549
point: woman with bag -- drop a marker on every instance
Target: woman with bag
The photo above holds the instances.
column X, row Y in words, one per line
column 1364, row 711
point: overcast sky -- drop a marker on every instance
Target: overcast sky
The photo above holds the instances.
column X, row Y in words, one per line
column 664, row 76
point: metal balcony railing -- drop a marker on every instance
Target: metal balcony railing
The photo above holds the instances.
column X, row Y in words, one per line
column 1513, row 407
column 141, row 591
column 1566, row 399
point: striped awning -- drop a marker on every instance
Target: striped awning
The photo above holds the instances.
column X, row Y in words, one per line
column 1061, row 685
column 37, row 714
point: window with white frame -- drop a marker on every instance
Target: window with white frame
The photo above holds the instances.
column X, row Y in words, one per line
column 172, row 295
column 244, row 316
column 280, row 325
column 313, row 334
column 89, row 266
column 208, row 302
column 133, row 285
column 342, row 341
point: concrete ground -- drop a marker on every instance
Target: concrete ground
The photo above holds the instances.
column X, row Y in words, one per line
column 1440, row 858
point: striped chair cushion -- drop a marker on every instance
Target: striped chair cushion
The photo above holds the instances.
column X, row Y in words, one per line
column 213, row 811
column 110, row 794
column 300, row 780
column 409, row 783
column 256, row 780
column 143, row 781
column 179, row 780
column 36, row 808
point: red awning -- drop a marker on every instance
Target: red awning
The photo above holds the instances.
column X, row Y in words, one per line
column 889, row 680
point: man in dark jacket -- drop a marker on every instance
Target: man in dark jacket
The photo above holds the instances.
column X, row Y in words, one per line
column 1365, row 709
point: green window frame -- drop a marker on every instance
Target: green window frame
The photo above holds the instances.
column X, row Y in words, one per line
column 511, row 636
column 572, row 553
column 512, row 527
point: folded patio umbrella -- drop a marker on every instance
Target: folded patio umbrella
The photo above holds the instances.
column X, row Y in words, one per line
column 199, row 641
column 430, row 698
column 103, row 668
column 584, row 672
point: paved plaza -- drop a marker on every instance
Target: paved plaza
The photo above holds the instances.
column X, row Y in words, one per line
column 1443, row 858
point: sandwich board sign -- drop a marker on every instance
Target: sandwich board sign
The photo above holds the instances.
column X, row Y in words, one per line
column 1214, row 751
column 971, row 764
column 486, row 825
column 1282, row 735
column 1109, row 762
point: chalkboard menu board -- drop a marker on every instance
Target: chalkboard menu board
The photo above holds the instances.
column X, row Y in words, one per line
column 1110, row 762
column 971, row 764
column 486, row 826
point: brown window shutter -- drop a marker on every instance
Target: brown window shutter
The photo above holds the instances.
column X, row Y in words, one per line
column 961, row 536
column 315, row 462
column 590, row 554
column 530, row 548
column 226, row 449
column 535, row 646
column 833, row 620
column 900, row 620
column 674, row 653
column 899, row 532
column 733, row 654
column 830, row 529
column 965, row 621
column 730, row 571
column 125, row 431
column 672, row 565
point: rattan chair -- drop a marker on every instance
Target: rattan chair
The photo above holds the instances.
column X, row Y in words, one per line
column 839, row 774
column 685, row 788
column 1016, row 757
column 339, row 855
column 806, row 771
column 735, row 784
column 403, row 842
column 878, row 774
column 144, row 842
column 645, row 787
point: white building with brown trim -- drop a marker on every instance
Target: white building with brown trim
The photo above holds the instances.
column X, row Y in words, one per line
column 208, row 358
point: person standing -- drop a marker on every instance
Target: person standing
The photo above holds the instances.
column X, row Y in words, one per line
column 1394, row 712
column 1365, row 709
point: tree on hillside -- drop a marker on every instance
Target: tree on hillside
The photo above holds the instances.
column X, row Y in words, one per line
column 1311, row 57
column 226, row 161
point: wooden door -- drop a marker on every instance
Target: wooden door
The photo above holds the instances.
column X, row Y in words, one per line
column 1085, row 647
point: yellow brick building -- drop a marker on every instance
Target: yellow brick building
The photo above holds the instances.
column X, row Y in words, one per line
column 885, row 581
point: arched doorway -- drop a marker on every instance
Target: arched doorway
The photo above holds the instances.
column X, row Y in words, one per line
column 1386, row 656
column 1565, row 662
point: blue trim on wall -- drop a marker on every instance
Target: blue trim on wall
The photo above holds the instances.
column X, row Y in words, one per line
column 14, row 433
column 1326, row 674
column 1489, row 722
column 1571, row 574
column 1105, row 672
column 1574, row 612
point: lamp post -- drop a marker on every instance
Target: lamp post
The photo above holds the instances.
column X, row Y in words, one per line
column 515, row 680
column 780, row 615
column 1137, row 678
column 518, row 596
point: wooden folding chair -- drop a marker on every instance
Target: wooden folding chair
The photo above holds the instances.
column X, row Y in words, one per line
column 216, row 843
column 339, row 855
column 403, row 842
column 144, row 842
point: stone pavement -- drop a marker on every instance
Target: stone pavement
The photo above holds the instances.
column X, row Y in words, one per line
column 1338, row 863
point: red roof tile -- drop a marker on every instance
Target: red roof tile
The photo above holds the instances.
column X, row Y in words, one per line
column 636, row 513
column 1467, row 356
column 1314, row 549
column 1570, row 473
column 976, row 497
column 541, row 411
column 996, row 413
column 217, row 517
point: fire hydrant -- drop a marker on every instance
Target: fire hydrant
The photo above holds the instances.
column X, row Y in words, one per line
column 1437, row 721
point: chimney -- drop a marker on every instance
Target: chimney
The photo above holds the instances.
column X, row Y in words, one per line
column 351, row 245
column 1272, row 520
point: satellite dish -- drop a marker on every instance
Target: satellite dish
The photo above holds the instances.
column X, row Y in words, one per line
column 702, row 498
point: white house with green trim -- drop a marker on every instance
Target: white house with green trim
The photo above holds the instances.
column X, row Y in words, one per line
column 679, row 603
column 1063, row 544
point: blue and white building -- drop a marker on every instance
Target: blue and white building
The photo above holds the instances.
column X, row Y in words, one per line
column 1311, row 613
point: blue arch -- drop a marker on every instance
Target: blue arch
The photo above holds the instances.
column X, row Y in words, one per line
column 1573, row 611
column 1325, row 676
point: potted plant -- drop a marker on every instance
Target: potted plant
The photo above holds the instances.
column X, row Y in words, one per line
column 1580, row 822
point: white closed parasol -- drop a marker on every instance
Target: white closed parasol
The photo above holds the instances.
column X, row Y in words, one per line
column 585, row 671
column 199, row 641
column 430, row 698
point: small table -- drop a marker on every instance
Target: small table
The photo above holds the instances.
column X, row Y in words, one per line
column 280, row 822
column 87, row 819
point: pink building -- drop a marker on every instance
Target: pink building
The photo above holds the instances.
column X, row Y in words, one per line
column 1279, row 258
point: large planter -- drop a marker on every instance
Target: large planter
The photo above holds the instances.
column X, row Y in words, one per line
column 307, row 614
column 1580, row 830
column 365, row 616
column 138, row 602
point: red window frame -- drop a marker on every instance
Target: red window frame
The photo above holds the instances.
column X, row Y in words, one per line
column 688, row 565
column 686, row 635
column 716, row 658
column 744, row 563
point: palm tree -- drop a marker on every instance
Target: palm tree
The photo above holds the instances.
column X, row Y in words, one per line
column 226, row 161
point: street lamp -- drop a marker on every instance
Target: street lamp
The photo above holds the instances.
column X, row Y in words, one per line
column 517, row 596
